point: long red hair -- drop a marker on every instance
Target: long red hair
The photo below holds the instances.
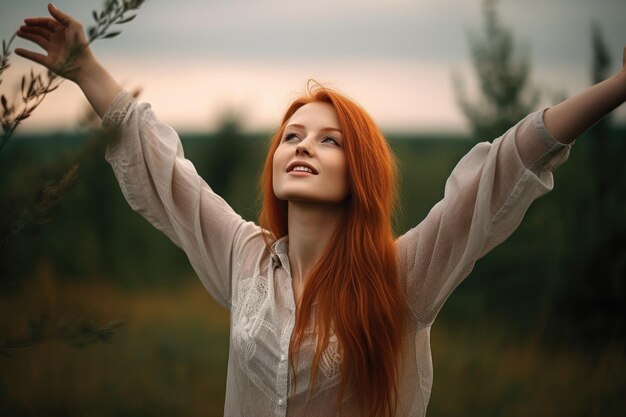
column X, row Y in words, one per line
column 355, row 281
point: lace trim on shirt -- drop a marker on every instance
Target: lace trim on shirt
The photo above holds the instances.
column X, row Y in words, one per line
column 249, row 320
column 117, row 110
column 330, row 361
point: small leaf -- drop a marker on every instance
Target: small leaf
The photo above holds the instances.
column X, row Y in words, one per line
column 3, row 100
column 4, row 47
column 128, row 19
column 135, row 4
column 111, row 35
column 49, row 90
column 95, row 16
column 31, row 87
column 23, row 82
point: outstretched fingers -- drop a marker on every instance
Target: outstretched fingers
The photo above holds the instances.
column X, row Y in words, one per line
column 35, row 30
column 38, row 39
column 44, row 22
column 61, row 17
column 54, row 35
column 33, row 56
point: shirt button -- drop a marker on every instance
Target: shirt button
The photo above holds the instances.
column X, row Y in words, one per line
column 282, row 357
column 280, row 402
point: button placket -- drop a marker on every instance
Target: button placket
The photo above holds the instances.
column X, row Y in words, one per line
column 283, row 378
column 286, row 328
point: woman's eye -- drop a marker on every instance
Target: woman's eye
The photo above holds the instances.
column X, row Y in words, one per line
column 331, row 140
column 290, row 136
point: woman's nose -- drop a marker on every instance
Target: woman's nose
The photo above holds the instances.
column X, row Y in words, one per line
column 304, row 148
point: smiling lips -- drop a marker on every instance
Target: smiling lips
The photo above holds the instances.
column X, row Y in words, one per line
column 301, row 168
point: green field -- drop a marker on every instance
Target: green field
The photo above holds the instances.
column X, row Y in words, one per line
column 536, row 330
column 171, row 357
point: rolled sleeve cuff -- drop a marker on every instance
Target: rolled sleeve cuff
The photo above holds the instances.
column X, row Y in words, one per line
column 555, row 153
column 117, row 110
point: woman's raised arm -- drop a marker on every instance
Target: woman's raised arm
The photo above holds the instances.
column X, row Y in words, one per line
column 569, row 119
column 148, row 160
column 69, row 55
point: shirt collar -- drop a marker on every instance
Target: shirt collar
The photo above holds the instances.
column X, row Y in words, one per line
column 281, row 246
column 280, row 253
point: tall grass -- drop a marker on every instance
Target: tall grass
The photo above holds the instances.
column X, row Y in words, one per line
column 486, row 371
column 171, row 358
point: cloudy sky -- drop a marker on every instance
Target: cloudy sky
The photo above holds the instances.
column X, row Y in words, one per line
column 196, row 59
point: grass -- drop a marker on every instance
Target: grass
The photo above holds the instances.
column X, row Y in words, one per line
column 171, row 358
column 480, row 372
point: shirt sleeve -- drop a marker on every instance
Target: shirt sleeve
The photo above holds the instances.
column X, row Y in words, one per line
column 159, row 183
column 485, row 199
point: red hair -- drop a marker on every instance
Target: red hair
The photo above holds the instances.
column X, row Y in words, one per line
column 355, row 281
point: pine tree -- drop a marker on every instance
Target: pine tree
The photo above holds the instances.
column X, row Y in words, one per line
column 502, row 69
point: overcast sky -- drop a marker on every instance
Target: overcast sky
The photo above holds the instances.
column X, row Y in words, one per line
column 195, row 59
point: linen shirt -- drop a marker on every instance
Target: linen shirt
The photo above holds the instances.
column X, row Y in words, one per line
column 484, row 201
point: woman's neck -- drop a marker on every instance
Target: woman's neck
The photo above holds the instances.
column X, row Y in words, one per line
column 310, row 228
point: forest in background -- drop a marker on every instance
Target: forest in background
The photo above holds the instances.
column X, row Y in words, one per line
column 95, row 233
column 515, row 317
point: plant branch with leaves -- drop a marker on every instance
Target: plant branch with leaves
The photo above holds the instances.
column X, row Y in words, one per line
column 64, row 57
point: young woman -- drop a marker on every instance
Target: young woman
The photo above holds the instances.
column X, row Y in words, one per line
column 330, row 313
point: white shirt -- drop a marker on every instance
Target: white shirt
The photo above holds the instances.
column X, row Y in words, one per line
column 485, row 199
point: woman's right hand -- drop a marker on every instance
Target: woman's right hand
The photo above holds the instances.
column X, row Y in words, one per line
column 69, row 56
column 63, row 38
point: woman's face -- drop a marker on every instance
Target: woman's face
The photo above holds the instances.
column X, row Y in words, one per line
column 309, row 164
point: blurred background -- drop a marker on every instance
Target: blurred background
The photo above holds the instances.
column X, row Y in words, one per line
column 101, row 315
